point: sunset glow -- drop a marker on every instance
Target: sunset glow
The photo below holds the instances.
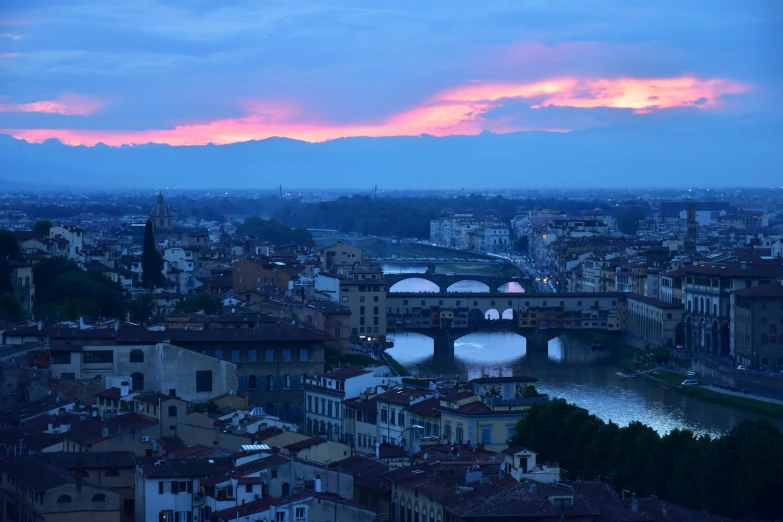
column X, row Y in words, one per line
column 456, row 111
column 71, row 105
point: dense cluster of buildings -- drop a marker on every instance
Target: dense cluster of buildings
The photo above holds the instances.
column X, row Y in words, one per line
column 699, row 275
column 237, row 416
column 468, row 231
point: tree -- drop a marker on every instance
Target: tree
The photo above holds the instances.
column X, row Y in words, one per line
column 41, row 227
column 210, row 304
column 9, row 251
column 10, row 309
column 141, row 307
column 151, row 263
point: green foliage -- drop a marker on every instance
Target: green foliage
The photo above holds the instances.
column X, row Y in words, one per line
column 628, row 221
column 335, row 358
column 9, row 251
column 10, row 308
column 273, row 231
column 416, row 382
column 210, row 304
column 151, row 262
column 64, row 292
column 530, row 391
column 141, row 307
column 737, row 475
column 41, row 227
column 205, row 407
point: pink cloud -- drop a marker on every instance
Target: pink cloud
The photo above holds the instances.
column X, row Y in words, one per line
column 69, row 104
column 8, row 55
column 10, row 36
column 461, row 110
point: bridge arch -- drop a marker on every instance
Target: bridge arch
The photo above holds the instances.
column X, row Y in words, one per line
column 422, row 282
column 492, row 315
column 460, row 286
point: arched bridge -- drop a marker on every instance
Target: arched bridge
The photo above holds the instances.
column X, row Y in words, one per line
column 445, row 281
column 447, row 316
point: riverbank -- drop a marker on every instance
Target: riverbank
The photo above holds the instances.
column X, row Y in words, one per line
column 751, row 403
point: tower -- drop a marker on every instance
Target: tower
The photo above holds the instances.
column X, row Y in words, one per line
column 161, row 215
column 692, row 231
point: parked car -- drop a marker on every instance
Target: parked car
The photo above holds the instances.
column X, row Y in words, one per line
column 742, row 367
column 690, row 382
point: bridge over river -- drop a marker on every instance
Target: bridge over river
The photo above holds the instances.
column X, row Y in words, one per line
column 444, row 281
column 447, row 316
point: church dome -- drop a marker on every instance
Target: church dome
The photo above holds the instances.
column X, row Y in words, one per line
column 161, row 209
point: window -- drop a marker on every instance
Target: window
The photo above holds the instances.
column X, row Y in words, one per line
column 204, row 381
column 304, row 354
column 64, row 499
column 270, row 382
column 137, row 381
column 361, row 299
column 486, row 434
column 286, row 355
column 269, row 355
column 98, row 357
column 252, row 382
column 401, row 418
column 344, row 299
column 280, row 516
column 384, row 415
column 69, row 376
column 235, row 356
column 218, row 354
column 172, row 411
column 252, row 356
column 112, row 472
column 243, row 383
column 100, row 497
column 299, row 513
column 375, row 299
column 137, row 356
column 248, row 488
column 60, row 357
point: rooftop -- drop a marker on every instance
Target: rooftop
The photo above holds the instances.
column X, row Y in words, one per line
column 189, row 467
column 770, row 290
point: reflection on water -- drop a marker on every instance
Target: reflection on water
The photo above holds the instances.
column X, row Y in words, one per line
column 512, row 288
column 468, row 286
column 569, row 370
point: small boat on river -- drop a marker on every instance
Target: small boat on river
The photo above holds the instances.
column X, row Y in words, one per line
column 626, row 375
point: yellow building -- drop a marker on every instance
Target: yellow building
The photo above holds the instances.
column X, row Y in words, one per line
column 469, row 418
column 340, row 254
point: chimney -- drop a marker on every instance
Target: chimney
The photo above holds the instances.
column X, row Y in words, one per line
column 377, row 450
column 124, row 388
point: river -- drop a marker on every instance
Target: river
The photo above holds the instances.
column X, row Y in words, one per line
column 570, row 370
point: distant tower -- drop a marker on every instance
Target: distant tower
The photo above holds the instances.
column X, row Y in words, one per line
column 692, row 232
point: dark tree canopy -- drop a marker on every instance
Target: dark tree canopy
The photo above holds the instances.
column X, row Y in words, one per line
column 9, row 251
column 151, row 262
column 210, row 304
column 64, row 291
column 738, row 475
column 41, row 227
column 10, row 308
column 273, row 231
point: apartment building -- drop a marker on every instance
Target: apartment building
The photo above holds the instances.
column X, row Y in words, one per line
column 756, row 322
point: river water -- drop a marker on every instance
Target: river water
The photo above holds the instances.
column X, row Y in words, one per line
column 570, row 370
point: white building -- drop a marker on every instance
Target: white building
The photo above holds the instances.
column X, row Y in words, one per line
column 325, row 394
column 161, row 367
column 170, row 490
column 74, row 236
column 520, row 463
column 394, row 419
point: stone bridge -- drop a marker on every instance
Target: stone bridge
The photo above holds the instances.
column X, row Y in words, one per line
column 447, row 316
column 445, row 281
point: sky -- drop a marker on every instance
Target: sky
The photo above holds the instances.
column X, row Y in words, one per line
column 192, row 72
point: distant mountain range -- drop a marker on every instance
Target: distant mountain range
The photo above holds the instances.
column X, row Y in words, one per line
column 650, row 156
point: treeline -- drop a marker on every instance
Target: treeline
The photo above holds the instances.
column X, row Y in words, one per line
column 410, row 217
column 737, row 475
column 273, row 231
